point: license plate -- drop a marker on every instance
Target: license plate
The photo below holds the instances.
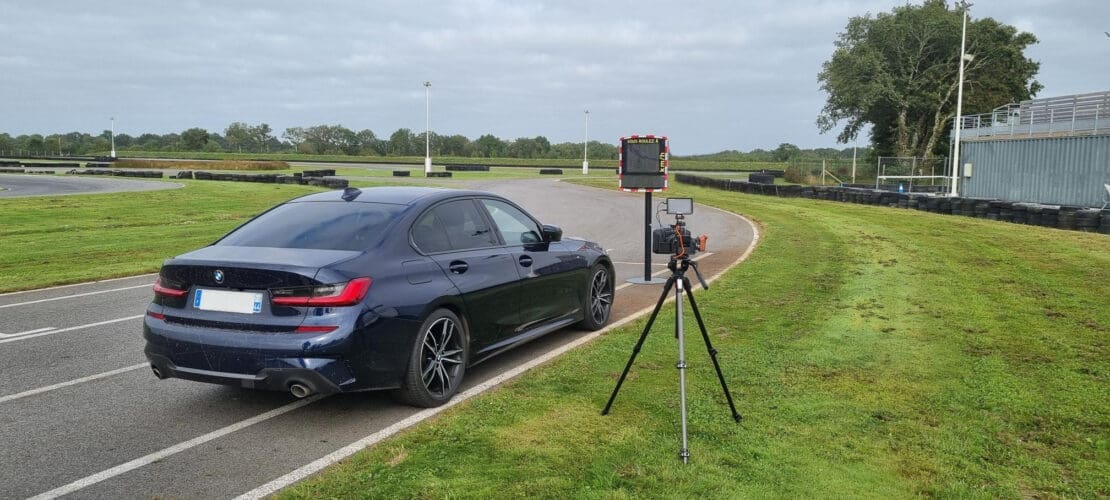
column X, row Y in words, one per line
column 220, row 300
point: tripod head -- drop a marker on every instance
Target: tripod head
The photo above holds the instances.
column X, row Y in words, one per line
column 682, row 262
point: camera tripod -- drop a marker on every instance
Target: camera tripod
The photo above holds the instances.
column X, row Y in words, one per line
column 679, row 266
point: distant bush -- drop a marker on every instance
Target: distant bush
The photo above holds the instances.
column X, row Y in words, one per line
column 203, row 165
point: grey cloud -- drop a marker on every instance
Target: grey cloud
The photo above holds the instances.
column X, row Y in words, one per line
column 710, row 74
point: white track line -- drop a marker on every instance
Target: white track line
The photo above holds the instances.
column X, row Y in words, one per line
column 76, row 284
column 86, row 294
column 70, row 329
column 177, row 448
column 28, row 332
column 346, row 451
column 81, row 380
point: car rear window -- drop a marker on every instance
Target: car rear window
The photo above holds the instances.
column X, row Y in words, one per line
column 317, row 225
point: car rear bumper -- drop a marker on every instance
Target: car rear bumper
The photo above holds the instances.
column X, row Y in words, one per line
column 321, row 378
column 372, row 358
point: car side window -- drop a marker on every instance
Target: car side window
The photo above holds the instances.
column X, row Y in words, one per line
column 455, row 225
column 515, row 226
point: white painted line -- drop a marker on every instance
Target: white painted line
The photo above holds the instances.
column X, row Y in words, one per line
column 28, row 332
column 76, row 284
column 346, row 451
column 70, row 329
column 86, row 294
column 81, row 380
column 177, row 448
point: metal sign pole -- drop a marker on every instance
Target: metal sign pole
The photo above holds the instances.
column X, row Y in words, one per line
column 647, row 237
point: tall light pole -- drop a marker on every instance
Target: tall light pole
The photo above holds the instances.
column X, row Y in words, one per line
column 586, row 147
column 427, row 128
column 959, row 104
column 113, row 136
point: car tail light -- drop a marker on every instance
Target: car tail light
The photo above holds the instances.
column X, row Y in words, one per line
column 315, row 329
column 333, row 295
column 155, row 315
column 168, row 288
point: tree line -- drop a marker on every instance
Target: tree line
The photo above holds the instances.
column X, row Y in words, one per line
column 241, row 137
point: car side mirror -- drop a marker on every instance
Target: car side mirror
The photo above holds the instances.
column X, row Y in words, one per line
column 552, row 233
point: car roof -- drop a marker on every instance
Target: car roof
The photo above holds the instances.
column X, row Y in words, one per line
column 397, row 195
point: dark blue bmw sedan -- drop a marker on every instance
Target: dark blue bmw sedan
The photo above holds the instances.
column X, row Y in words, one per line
column 381, row 288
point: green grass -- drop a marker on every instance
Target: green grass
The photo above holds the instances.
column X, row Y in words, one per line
column 873, row 352
column 51, row 240
column 236, row 165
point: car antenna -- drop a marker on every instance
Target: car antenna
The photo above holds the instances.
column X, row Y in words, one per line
column 350, row 193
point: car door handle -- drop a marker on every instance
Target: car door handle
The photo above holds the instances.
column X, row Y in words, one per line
column 525, row 261
column 458, row 267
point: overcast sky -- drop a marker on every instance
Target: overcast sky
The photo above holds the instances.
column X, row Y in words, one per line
column 712, row 75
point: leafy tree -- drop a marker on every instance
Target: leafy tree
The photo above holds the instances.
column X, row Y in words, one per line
column 35, row 144
column 368, row 143
column 404, row 143
column 194, row 139
column 239, row 136
column 455, row 145
column 786, row 151
column 263, row 135
column 489, row 146
column 897, row 72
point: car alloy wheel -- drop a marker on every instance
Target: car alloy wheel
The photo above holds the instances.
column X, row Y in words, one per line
column 437, row 362
column 599, row 298
column 441, row 356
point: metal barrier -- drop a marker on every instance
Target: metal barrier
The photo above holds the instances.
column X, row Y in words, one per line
column 1080, row 114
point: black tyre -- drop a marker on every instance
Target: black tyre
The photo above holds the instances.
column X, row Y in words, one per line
column 598, row 303
column 438, row 361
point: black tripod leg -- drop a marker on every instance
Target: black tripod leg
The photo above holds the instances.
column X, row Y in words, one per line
column 640, row 343
column 712, row 351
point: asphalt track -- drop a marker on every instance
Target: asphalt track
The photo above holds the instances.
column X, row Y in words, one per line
column 81, row 414
column 17, row 186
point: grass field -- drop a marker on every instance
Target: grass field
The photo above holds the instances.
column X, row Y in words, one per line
column 202, row 165
column 51, row 240
column 874, row 353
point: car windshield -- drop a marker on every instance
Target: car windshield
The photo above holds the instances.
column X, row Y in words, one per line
column 317, row 225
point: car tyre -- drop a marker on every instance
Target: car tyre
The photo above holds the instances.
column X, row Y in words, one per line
column 598, row 303
column 437, row 362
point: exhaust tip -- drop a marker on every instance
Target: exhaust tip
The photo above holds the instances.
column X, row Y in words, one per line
column 157, row 372
column 299, row 390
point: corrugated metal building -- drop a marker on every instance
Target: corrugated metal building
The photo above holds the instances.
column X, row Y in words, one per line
column 1051, row 151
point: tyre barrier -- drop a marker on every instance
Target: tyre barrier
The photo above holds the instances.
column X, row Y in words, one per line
column 401, row 173
column 1034, row 214
column 761, row 178
column 41, row 172
column 467, row 168
column 49, row 165
column 184, row 174
column 10, row 170
column 98, row 164
column 551, row 171
column 153, row 174
column 438, row 174
column 9, row 164
column 330, row 172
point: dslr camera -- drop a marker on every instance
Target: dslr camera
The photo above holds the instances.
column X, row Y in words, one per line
column 675, row 239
